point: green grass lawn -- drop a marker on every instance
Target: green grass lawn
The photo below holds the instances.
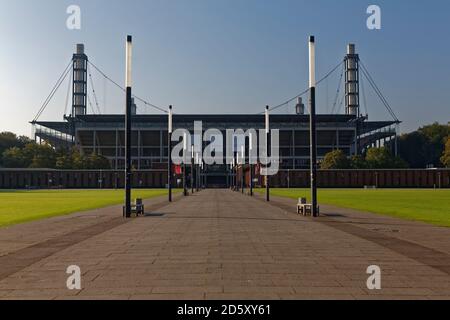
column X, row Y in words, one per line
column 431, row 206
column 23, row 206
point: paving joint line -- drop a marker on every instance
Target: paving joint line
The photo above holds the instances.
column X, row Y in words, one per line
column 17, row 261
column 420, row 253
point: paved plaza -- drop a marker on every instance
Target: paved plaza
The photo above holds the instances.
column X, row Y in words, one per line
column 219, row 244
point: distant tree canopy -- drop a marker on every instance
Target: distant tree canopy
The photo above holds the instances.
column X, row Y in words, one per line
column 21, row 152
column 381, row 158
column 425, row 146
column 445, row 159
column 375, row 158
column 10, row 140
column 335, row 160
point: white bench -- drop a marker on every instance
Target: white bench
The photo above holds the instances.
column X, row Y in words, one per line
column 137, row 208
column 305, row 208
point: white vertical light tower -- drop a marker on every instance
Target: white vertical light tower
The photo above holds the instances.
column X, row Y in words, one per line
column 169, row 164
column 128, row 84
column 313, row 138
column 79, row 82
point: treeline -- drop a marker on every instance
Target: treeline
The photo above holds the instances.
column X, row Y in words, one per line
column 22, row 152
column 427, row 147
column 375, row 158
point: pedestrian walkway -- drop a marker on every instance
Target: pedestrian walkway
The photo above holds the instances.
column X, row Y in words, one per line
column 219, row 244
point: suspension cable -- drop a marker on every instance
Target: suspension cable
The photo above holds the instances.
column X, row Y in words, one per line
column 68, row 94
column 307, row 90
column 123, row 89
column 90, row 103
column 93, row 89
column 378, row 91
column 364, row 96
column 338, row 91
column 53, row 91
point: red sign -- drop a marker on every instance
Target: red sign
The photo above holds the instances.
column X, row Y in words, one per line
column 177, row 169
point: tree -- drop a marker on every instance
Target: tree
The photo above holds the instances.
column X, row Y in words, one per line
column 381, row 158
column 425, row 146
column 358, row 162
column 445, row 159
column 64, row 162
column 14, row 158
column 78, row 160
column 73, row 159
column 335, row 160
column 96, row 162
column 22, row 152
column 31, row 156
column 436, row 135
column 42, row 156
column 412, row 147
column 9, row 140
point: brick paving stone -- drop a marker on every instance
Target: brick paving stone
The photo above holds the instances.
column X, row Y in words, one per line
column 218, row 244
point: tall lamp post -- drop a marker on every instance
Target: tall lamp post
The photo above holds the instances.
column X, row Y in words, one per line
column 128, row 84
column 231, row 174
column 184, row 164
column 197, row 176
column 250, row 148
column 234, row 173
column 238, row 161
column 243, row 169
column 192, row 169
column 313, row 138
column 202, row 171
column 267, row 151
column 170, row 130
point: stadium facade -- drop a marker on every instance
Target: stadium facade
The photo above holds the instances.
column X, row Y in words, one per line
column 104, row 134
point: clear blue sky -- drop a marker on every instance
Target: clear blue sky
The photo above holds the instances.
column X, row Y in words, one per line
column 225, row 56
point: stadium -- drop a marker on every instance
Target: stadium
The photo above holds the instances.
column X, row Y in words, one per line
column 104, row 133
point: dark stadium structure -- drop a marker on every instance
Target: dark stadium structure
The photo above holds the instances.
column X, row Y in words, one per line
column 104, row 134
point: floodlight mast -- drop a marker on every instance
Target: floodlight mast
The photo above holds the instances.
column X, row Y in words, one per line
column 128, row 84
column 313, row 137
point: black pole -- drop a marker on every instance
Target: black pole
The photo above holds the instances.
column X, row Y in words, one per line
column 128, row 103
column 231, row 177
column 313, row 152
column 192, row 173
column 243, row 178
column 313, row 132
column 236, row 174
column 197, row 178
column 170, row 154
column 267, row 154
column 268, row 177
column 230, row 180
column 251, row 180
column 233, row 172
column 184, row 178
column 128, row 155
